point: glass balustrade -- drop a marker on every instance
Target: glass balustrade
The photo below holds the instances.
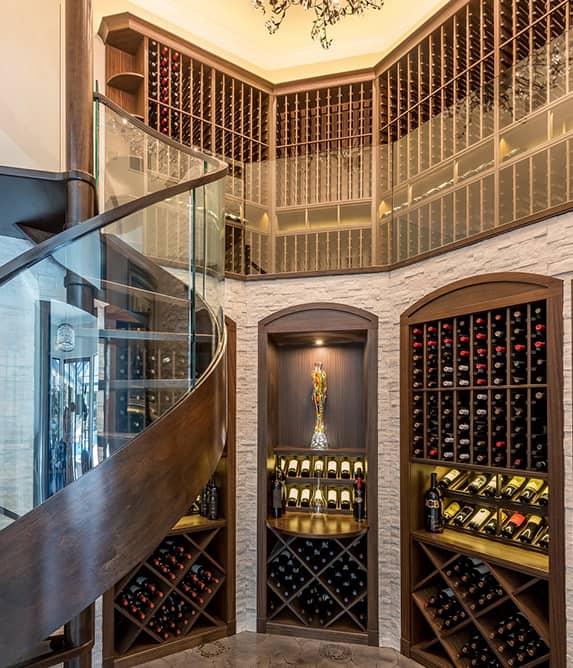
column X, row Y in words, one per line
column 108, row 325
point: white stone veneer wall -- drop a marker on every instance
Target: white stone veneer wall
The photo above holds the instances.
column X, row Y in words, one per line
column 544, row 248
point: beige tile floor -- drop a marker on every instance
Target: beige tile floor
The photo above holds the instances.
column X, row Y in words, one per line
column 255, row 650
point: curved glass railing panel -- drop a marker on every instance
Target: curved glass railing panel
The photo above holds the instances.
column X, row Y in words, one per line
column 132, row 160
column 106, row 327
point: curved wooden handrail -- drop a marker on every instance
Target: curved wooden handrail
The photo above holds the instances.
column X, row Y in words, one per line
column 58, row 558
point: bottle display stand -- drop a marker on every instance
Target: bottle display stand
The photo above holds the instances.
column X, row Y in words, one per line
column 316, row 561
column 481, row 408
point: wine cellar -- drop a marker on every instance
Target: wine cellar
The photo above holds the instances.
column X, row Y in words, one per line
column 183, row 593
column 481, row 382
column 458, row 136
column 317, row 551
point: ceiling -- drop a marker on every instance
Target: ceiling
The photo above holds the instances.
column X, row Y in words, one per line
column 233, row 29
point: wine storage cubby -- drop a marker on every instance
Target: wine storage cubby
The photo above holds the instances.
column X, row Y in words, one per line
column 183, row 593
column 472, row 611
column 481, row 407
column 317, row 545
column 505, row 508
column 318, row 583
column 177, row 594
column 325, row 482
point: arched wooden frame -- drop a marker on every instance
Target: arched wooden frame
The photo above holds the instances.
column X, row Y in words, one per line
column 470, row 295
column 302, row 325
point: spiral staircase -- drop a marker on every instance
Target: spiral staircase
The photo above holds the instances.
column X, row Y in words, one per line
column 113, row 371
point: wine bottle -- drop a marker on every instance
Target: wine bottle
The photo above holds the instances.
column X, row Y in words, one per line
column 513, row 525
column 277, row 492
column 543, row 499
column 477, row 483
column 318, row 501
column 345, row 469
column 449, row 478
column 463, row 516
column 358, row 468
column 332, row 468
column 293, row 496
column 543, row 540
column 292, row 470
column 305, row 468
column 359, row 499
column 530, row 490
column 512, row 487
column 532, row 528
column 433, row 507
column 451, row 511
column 332, row 498
column 318, row 470
column 213, row 502
column 441, row 597
column 490, row 489
column 345, row 499
column 479, row 519
column 305, row 497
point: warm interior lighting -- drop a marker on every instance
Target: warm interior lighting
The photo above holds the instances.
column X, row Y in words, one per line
column 326, row 12
column 319, row 342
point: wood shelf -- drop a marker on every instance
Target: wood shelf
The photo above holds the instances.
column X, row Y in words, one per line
column 533, row 563
column 332, row 525
column 128, row 82
column 326, row 452
column 197, row 523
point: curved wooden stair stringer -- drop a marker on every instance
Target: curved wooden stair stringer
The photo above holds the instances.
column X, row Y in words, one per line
column 58, row 558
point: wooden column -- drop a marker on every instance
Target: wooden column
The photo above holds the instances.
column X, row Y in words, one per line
column 79, row 108
column 79, row 206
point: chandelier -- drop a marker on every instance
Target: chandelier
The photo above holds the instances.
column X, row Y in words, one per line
column 326, row 12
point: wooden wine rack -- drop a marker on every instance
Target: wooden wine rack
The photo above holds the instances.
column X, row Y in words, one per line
column 287, row 352
column 480, row 315
column 128, row 637
column 457, row 136
column 285, row 606
column 526, row 592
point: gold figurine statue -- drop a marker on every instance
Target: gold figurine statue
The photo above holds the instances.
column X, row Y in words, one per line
column 318, row 400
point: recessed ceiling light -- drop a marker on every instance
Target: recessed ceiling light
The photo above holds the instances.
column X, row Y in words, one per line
column 319, row 342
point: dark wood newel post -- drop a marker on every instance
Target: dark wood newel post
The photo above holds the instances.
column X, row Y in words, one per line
column 79, row 205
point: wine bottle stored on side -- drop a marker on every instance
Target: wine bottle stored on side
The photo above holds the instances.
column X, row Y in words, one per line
column 515, row 522
column 433, row 507
column 332, row 468
column 532, row 528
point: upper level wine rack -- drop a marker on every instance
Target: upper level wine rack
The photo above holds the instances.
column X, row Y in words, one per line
column 459, row 135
